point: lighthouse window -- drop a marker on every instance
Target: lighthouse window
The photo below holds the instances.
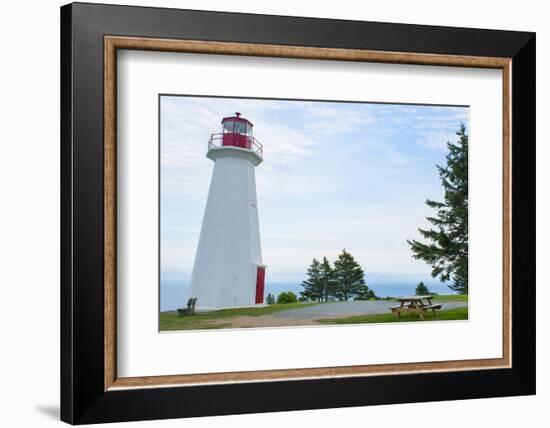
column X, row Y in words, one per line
column 228, row 126
column 240, row 128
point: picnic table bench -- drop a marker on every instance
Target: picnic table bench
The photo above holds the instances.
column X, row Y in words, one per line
column 415, row 304
column 190, row 310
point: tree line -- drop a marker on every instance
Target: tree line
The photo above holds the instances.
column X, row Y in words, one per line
column 342, row 280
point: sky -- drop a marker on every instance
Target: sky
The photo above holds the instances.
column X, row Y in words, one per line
column 335, row 175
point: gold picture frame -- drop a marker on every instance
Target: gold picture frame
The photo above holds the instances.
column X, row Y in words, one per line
column 114, row 43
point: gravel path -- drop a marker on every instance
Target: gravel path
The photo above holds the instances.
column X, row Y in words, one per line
column 341, row 309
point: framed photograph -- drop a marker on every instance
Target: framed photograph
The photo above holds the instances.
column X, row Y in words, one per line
column 266, row 213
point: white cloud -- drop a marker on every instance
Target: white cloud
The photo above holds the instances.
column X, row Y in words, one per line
column 436, row 140
column 434, row 131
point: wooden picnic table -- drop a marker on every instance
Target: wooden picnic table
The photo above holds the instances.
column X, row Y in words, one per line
column 415, row 304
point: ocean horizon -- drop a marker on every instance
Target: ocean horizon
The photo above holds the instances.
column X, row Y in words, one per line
column 174, row 293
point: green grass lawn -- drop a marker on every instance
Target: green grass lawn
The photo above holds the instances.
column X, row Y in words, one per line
column 451, row 297
column 450, row 314
column 443, row 298
column 214, row 319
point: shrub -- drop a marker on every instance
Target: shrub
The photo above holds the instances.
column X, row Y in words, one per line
column 287, row 297
column 369, row 295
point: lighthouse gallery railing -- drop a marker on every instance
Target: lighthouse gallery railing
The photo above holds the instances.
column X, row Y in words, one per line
column 247, row 142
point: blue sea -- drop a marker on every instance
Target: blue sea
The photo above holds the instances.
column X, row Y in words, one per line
column 174, row 293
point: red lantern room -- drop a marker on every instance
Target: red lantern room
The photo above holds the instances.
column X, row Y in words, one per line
column 236, row 132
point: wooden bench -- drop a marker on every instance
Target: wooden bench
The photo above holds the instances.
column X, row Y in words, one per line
column 190, row 310
column 432, row 307
column 415, row 305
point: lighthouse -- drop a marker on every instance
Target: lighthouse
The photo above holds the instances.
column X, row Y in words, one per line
column 228, row 271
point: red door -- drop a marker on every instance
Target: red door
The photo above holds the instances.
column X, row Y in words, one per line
column 260, row 284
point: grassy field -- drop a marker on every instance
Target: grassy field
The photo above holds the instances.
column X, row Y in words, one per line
column 215, row 319
column 450, row 314
column 451, row 298
column 442, row 298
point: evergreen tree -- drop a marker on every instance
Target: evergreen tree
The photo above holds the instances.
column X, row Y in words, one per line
column 270, row 299
column 314, row 284
column 348, row 275
column 372, row 295
column 327, row 280
column 421, row 290
column 364, row 292
column 447, row 248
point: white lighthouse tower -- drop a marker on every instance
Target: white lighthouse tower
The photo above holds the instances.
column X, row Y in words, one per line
column 228, row 270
